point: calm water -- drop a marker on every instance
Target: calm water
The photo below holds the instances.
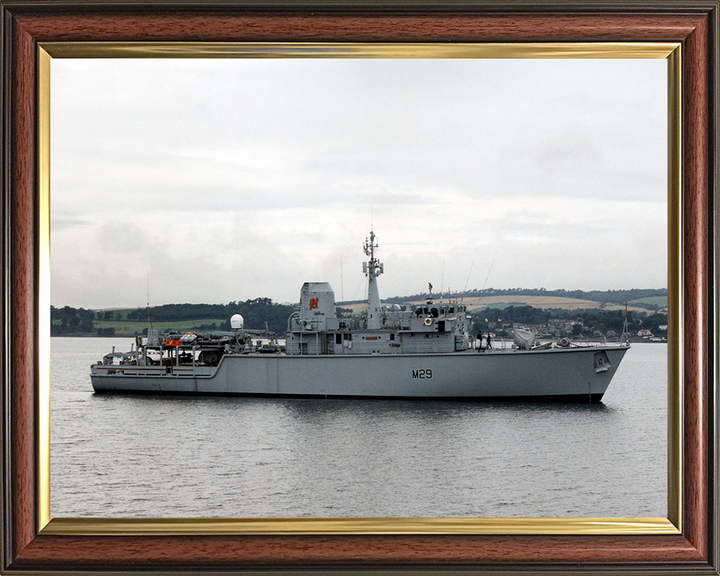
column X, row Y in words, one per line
column 145, row 456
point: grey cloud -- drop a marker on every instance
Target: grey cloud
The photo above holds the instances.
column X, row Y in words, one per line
column 58, row 224
column 270, row 155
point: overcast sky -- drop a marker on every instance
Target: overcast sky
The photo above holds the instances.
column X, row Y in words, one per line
column 230, row 179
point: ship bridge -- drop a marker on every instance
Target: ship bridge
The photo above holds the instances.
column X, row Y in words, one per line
column 315, row 328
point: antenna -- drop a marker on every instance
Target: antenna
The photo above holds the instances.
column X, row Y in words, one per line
column 342, row 298
column 625, row 334
column 488, row 274
column 442, row 280
column 468, row 280
column 148, row 304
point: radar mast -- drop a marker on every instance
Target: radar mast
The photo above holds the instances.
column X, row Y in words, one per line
column 372, row 268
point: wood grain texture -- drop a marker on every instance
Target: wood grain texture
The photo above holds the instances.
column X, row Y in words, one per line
column 22, row 294
column 215, row 552
column 696, row 226
column 319, row 27
column 688, row 552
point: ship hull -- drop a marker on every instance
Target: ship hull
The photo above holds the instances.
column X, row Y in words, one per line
column 572, row 374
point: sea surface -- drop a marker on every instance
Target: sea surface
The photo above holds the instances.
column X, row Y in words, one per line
column 180, row 456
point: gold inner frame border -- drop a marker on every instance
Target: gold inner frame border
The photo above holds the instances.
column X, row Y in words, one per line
column 671, row 51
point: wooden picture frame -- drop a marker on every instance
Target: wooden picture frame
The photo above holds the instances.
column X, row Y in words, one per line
column 32, row 543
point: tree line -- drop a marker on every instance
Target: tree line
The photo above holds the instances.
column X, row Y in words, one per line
column 68, row 320
column 257, row 313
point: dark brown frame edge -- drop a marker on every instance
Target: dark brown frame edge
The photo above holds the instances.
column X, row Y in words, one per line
column 25, row 23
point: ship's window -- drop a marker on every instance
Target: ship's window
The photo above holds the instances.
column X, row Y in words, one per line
column 392, row 336
column 338, row 338
column 434, row 312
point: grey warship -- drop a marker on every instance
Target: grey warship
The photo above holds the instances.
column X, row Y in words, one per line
column 392, row 351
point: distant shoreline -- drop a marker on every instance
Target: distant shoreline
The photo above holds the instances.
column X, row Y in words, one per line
column 557, row 312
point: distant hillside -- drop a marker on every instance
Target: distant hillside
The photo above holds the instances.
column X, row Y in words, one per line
column 649, row 302
column 637, row 299
column 258, row 313
column 261, row 312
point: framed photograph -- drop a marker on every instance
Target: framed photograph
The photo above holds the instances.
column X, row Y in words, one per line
column 38, row 38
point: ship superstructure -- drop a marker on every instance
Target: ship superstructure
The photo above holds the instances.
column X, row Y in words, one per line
column 393, row 329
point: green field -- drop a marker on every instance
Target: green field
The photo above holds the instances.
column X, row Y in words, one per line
column 659, row 301
column 129, row 328
column 497, row 306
